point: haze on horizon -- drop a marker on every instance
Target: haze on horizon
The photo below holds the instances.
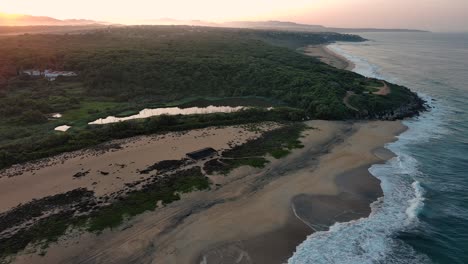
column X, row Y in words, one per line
column 434, row 15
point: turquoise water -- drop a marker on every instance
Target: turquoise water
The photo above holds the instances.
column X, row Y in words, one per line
column 423, row 216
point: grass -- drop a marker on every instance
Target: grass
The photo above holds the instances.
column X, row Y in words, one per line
column 144, row 200
column 278, row 143
column 280, row 153
column 46, row 231
column 89, row 111
column 272, row 142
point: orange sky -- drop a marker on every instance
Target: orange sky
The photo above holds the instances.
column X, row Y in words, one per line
column 438, row 15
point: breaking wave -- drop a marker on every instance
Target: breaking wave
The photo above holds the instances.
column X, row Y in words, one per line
column 375, row 239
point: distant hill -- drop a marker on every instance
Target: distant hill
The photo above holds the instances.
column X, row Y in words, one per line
column 274, row 25
column 171, row 21
column 285, row 25
column 361, row 30
column 28, row 20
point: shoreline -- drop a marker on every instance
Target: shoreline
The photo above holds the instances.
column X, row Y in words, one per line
column 251, row 215
column 357, row 189
column 328, row 56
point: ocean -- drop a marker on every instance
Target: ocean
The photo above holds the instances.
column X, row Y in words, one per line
column 423, row 216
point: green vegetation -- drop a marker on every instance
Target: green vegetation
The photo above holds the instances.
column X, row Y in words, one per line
column 165, row 189
column 138, row 202
column 55, row 143
column 123, row 70
column 45, row 231
column 278, row 143
column 280, row 153
column 274, row 141
column 49, row 229
column 376, row 105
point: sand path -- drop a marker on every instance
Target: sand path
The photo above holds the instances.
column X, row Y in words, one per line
column 346, row 101
column 384, row 90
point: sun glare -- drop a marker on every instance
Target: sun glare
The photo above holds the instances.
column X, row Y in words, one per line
column 9, row 16
column 425, row 14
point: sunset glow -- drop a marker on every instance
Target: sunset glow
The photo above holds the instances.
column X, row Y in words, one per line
column 425, row 14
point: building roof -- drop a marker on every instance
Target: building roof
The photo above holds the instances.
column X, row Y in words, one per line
column 202, row 153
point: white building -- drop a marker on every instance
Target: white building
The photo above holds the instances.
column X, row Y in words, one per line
column 33, row 72
column 50, row 75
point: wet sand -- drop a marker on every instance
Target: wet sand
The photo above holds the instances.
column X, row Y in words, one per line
column 318, row 209
column 255, row 215
column 329, row 57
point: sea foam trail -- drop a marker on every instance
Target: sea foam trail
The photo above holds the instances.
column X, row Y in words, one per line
column 374, row 239
column 417, row 203
column 362, row 66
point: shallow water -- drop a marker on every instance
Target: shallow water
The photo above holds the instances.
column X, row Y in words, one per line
column 423, row 217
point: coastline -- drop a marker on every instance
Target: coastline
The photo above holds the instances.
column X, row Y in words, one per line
column 253, row 215
column 328, row 56
column 256, row 211
column 355, row 189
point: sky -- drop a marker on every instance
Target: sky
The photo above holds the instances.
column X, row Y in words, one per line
column 435, row 15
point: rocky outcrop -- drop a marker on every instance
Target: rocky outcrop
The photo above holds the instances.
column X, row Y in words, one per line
column 410, row 109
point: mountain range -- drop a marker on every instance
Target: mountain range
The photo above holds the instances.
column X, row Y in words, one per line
column 28, row 20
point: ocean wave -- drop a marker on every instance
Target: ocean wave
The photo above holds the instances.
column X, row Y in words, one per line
column 375, row 239
column 417, row 203
column 372, row 239
column 362, row 66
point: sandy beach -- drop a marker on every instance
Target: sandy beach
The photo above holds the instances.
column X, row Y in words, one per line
column 329, row 57
column 249, row 216
column 251, row 212
column 108, row 171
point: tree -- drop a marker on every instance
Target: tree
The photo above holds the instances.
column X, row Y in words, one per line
column 33, row 116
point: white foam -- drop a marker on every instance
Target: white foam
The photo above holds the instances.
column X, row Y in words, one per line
column 417, row 203
column 362, row 66
column 373, row 239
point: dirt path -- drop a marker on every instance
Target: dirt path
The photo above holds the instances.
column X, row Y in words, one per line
column 384, row 90
column 346, row 101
